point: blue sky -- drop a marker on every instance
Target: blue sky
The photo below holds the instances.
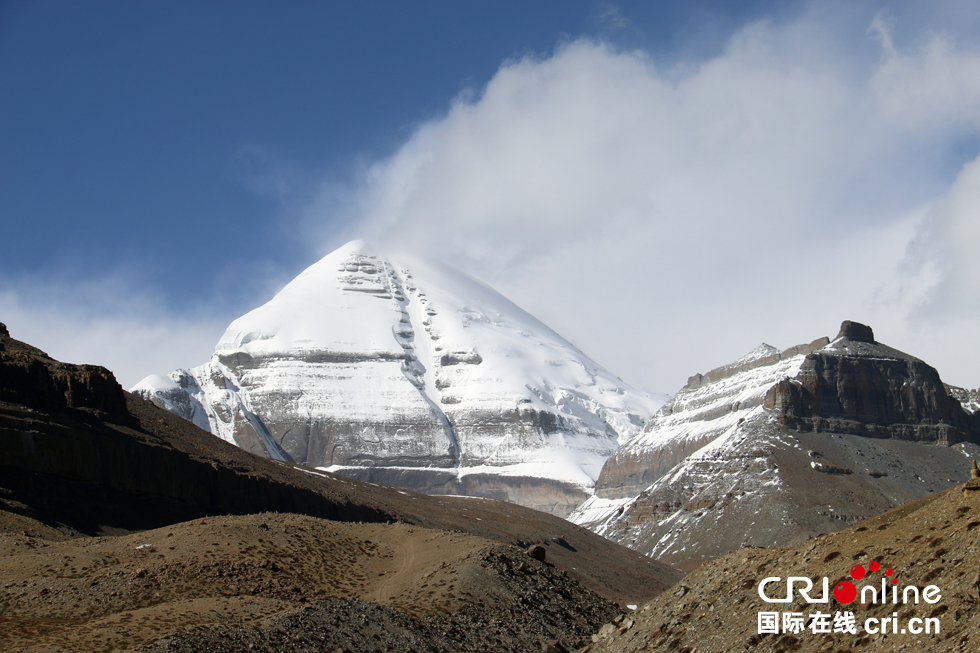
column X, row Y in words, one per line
column 146, row 134
column 168, row 166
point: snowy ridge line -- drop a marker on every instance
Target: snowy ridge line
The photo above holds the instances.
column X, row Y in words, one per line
column 706, row 411
column 713, row 413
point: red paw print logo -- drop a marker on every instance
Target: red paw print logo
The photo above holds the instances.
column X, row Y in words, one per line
column 845, row 592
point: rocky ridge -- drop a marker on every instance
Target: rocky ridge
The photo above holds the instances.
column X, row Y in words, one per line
column 30, row 377
column 856, row 385
column 781, row 446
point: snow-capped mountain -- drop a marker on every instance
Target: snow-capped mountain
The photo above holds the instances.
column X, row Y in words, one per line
column 782, row 445
column 409, row 373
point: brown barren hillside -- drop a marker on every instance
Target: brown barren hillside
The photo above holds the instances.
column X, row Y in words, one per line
column 451, row 590
column 117, row 513
column 932, row 541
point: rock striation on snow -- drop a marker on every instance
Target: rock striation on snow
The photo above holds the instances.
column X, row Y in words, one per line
column 408, row 373
column 782, row 445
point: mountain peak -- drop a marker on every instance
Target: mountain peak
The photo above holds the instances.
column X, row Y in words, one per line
column 780, row 446
column 410, row 373
column 855, row 331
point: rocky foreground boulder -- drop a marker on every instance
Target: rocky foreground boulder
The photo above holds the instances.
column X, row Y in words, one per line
column 783, row 445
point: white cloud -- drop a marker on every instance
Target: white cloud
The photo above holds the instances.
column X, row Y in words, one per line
column 668, row 221
column 107, row 322
column 944, row 251
column 935, row 87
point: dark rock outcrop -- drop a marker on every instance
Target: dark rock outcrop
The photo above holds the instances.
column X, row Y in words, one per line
column 855, row 331
column 858, row 386
column 80, row 451
column 537, row 552
column 30, row 377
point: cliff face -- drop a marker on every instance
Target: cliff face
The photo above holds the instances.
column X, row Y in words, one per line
column 76, row 449
column 782, row 445
column 859, row 386
column 30, row 377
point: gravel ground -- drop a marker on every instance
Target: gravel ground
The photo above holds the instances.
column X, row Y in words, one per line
column 284, row 582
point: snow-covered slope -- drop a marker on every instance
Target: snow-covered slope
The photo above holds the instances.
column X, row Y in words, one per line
column 969, row 399
column 410, row 373
column 708, row 409
column 779, row 446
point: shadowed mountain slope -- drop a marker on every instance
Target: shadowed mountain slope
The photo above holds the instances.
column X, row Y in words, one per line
column 80, row 454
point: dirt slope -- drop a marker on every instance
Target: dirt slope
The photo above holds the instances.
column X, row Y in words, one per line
column 78, row 453
column 932, row 541
column 451, row 590
column 123, row 527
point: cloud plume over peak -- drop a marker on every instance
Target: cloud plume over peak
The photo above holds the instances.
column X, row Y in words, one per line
column 668, row 219
column 665, row 208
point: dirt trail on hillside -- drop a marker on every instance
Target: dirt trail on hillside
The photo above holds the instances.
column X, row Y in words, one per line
column 407, row 554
